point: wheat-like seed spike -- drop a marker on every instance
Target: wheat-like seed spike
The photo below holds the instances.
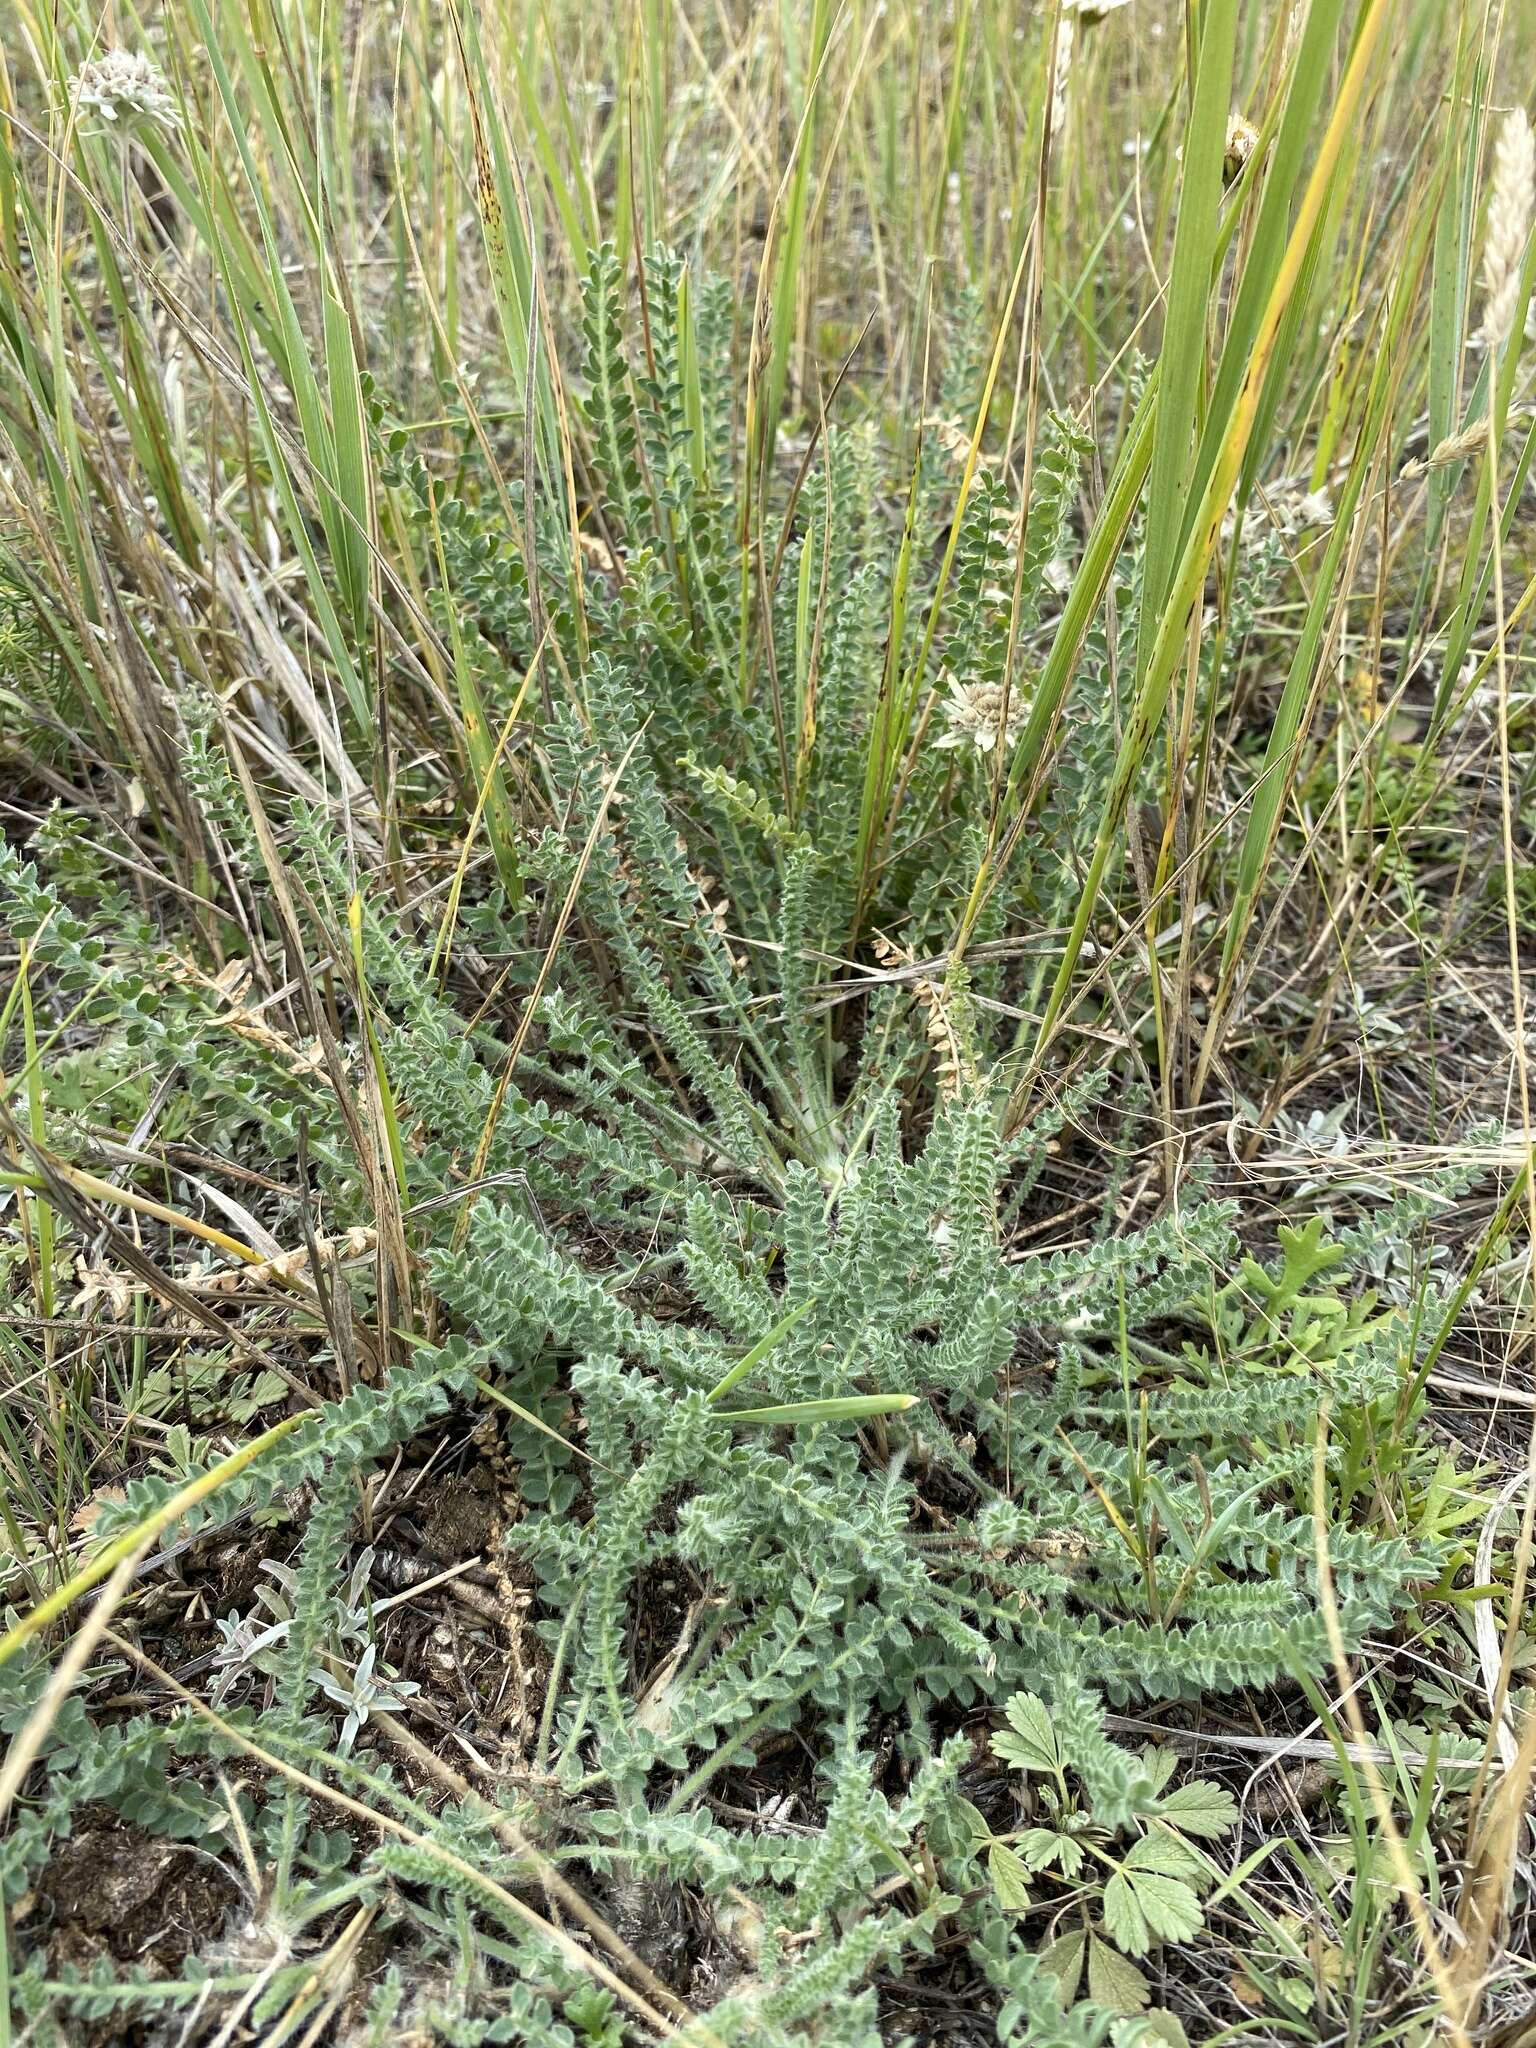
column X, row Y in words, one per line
column 1509, row 223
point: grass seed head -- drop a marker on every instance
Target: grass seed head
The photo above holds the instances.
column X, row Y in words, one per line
column 1509, row 224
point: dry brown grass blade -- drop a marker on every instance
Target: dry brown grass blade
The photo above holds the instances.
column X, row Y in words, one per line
column 92, row 1220
column 365, row 1125
column 1484, row 1908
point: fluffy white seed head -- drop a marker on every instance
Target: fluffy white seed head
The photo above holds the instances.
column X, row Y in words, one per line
column 1509, row 223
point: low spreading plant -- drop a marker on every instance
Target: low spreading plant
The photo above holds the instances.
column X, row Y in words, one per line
column 809, row 1448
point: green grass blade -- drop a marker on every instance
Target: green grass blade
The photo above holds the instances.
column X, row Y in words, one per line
column 845, row 1408
column 1186, row 318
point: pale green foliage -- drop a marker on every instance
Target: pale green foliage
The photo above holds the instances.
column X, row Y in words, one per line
column 725, row 1164
column 779, row 1188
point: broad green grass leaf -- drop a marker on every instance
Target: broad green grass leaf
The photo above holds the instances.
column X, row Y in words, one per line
column 1315, row 57
column 849, row 1408
column 761, row 1348
column 784, row 297
column 1188, row 311
column 347, row 505
column 1153, row 689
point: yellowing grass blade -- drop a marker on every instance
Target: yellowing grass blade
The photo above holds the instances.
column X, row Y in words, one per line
column 152, row 1526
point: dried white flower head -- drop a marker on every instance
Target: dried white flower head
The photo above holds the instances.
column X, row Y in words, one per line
column 1242, row 141
column 126, row 87
column 1509, row 223
column 975, row 712
column 1289, row 508
column 1089, row 11
column 1292, row 510
column 1314, row 509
